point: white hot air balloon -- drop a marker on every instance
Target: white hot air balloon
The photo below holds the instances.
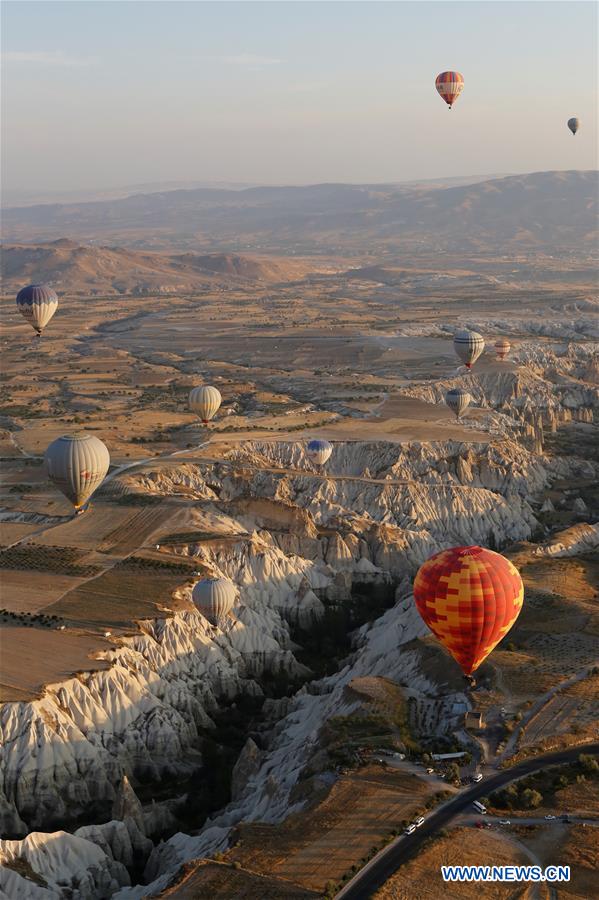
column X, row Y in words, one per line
column 468, row 345
column 319, row 452
column 37, row 303
column 458, row 400
column 77, row 465
column 214, row 598
column 502, row 348
column 205, row 401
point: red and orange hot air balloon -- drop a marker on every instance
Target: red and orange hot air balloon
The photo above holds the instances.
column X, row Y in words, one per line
column 449, row 85
column 469, row 597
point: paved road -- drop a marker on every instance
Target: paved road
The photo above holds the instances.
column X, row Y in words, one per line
column 382, row 867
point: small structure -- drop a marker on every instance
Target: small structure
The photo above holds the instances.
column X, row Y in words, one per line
column 440, row 756
column 474, row 720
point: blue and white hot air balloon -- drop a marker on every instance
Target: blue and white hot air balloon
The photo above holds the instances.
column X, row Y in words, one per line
column 319, row 451
column 37, row 303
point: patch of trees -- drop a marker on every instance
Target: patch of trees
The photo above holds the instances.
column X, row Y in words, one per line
column 540, row 789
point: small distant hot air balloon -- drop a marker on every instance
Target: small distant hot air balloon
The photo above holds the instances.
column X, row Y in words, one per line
column 37, row 303
column 574, row 124
column 77, row 465
column 502, row 348
column 458, row 400
column 449, row 85
column 469, row 597
column 205, row 401
column 319, row 452
column 468, row 345
column 214, row 598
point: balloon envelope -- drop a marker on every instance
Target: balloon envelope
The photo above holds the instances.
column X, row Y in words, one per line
column 468, row 345
column 449, row 85
column 319, row 451
column 37, row 303
column 458, row 400
column 469, row 597
column 574, row 125
column 77, row 465
column 502, row 348
column 214, row 598
column 205, row 401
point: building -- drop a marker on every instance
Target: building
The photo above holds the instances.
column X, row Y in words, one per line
column 474, row 720
column 442, row 756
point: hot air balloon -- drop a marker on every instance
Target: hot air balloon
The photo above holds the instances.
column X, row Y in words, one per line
column 319, row 451
column 214, row 598
column 458, row 400
column 502, row 348
column 449, row 85
column 37, row 303
column 468, row 345
column 205, row 401
column 574, row 124
column 469, row 597
column 77, row 464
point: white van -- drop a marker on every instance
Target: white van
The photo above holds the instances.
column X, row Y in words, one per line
column 479, row 807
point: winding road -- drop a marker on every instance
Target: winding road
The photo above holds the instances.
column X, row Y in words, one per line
column 385, row 864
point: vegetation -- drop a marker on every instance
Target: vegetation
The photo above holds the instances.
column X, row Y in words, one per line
column 46, row 559
column 540, row 788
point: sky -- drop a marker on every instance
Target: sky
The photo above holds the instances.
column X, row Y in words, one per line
column 98, row 95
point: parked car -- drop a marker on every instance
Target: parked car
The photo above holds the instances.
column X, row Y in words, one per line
column 478, row 777
column 419, row 821
column 430, row 771
column 410, row 829
column 504, row 822
column 398, row 755
column 550, row 817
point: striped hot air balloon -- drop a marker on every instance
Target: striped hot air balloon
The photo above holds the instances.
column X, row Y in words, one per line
column 205, row 401
column 468, row 345
column 458, row 400
column 319, row 452
column 449, row 85
column 214, row 598
column 469, row 597
column 77, row 465
column 502, row 348
column 37, row 303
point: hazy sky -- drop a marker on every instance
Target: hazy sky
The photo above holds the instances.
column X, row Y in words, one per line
column 103, row 94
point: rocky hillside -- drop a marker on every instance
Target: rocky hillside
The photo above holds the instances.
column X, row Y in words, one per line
column 543, row 209
column 295, row 544
column 94, row 270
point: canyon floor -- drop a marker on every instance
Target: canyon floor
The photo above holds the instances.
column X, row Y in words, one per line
column 147, row 753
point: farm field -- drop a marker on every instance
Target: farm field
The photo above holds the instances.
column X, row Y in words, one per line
column 34, row 657
column 222, row 882
column 421, row 877
column 321, row 844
